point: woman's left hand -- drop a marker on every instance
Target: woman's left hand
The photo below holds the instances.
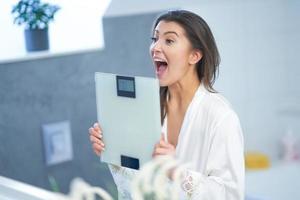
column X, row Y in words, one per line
column 163, row 148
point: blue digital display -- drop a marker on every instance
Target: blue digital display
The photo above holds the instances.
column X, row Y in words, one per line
column 126, row 86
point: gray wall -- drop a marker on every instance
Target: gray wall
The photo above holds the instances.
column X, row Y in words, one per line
column 42, row 91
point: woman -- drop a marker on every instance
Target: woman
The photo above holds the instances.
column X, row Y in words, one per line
column 199, row 125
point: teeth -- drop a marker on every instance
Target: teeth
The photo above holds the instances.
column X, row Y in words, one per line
column 159, row 60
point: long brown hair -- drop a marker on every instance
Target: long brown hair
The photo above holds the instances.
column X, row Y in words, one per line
column 201, row 38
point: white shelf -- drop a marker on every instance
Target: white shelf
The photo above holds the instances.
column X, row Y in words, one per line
column 15, row 190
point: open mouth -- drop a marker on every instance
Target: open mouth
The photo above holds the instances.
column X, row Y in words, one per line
column 160, row 67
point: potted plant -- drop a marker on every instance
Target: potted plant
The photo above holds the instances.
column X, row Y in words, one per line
column 36, row 16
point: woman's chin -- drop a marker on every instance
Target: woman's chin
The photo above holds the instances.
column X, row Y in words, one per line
column 162, row 83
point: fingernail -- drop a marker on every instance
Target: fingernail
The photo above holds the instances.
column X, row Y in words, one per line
column 95, row 125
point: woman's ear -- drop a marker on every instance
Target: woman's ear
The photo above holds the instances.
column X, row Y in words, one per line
column 195, row 56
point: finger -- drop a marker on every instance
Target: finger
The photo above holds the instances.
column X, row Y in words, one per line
column 159, row 146
column 162, row 136
column 94, row 139
column 160, row 151
column 162, row 143
column 98, row 153
column 97, row 127
column 95, row 133
column 98, row 148
column 156, row 153
column 166, row 144
column 156, row 145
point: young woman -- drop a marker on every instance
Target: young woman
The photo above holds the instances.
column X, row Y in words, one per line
column 198, row 124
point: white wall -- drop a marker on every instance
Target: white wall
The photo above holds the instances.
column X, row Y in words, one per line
column 76, row 26
column 259, row 45
column 11, row 38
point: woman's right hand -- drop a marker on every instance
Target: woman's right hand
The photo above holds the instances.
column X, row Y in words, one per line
column 96, row 139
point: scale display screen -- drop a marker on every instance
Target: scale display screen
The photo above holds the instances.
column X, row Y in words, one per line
column 126, row 86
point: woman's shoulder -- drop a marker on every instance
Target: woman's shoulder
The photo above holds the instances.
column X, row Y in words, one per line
column 218, row 101
column 214, row 99
column 217, row 106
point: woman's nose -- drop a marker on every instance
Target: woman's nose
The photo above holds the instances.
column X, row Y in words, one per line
column 156, row 46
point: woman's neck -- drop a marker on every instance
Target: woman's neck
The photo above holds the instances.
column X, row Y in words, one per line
column 182, row 92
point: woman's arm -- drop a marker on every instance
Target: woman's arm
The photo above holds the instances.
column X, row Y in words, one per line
column 224, row 174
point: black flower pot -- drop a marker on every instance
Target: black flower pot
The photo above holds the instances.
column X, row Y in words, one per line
column 36, row 39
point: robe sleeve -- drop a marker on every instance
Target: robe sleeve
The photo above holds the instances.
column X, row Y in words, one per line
column 223, row 179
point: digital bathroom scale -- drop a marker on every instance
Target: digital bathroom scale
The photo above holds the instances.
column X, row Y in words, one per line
column 128, row 111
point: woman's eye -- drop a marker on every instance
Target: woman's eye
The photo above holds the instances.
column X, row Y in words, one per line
column 169, row 41
column 154, row 39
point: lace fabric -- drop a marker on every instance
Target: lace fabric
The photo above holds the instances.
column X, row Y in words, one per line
column 123, row 177
column 190, row 182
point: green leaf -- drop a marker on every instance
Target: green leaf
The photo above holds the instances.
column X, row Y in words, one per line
column 33, row 13
column 53, row 184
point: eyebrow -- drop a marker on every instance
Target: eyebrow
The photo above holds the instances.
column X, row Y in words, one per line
column 168, row 32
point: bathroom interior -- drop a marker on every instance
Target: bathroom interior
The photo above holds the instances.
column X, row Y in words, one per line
column 48, row 90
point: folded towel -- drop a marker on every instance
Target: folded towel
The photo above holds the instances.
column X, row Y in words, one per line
column 256, row 160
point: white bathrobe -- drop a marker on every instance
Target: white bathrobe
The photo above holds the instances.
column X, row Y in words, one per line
column 211, row 141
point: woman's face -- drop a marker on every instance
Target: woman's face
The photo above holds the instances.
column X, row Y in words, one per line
column 172, row 53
